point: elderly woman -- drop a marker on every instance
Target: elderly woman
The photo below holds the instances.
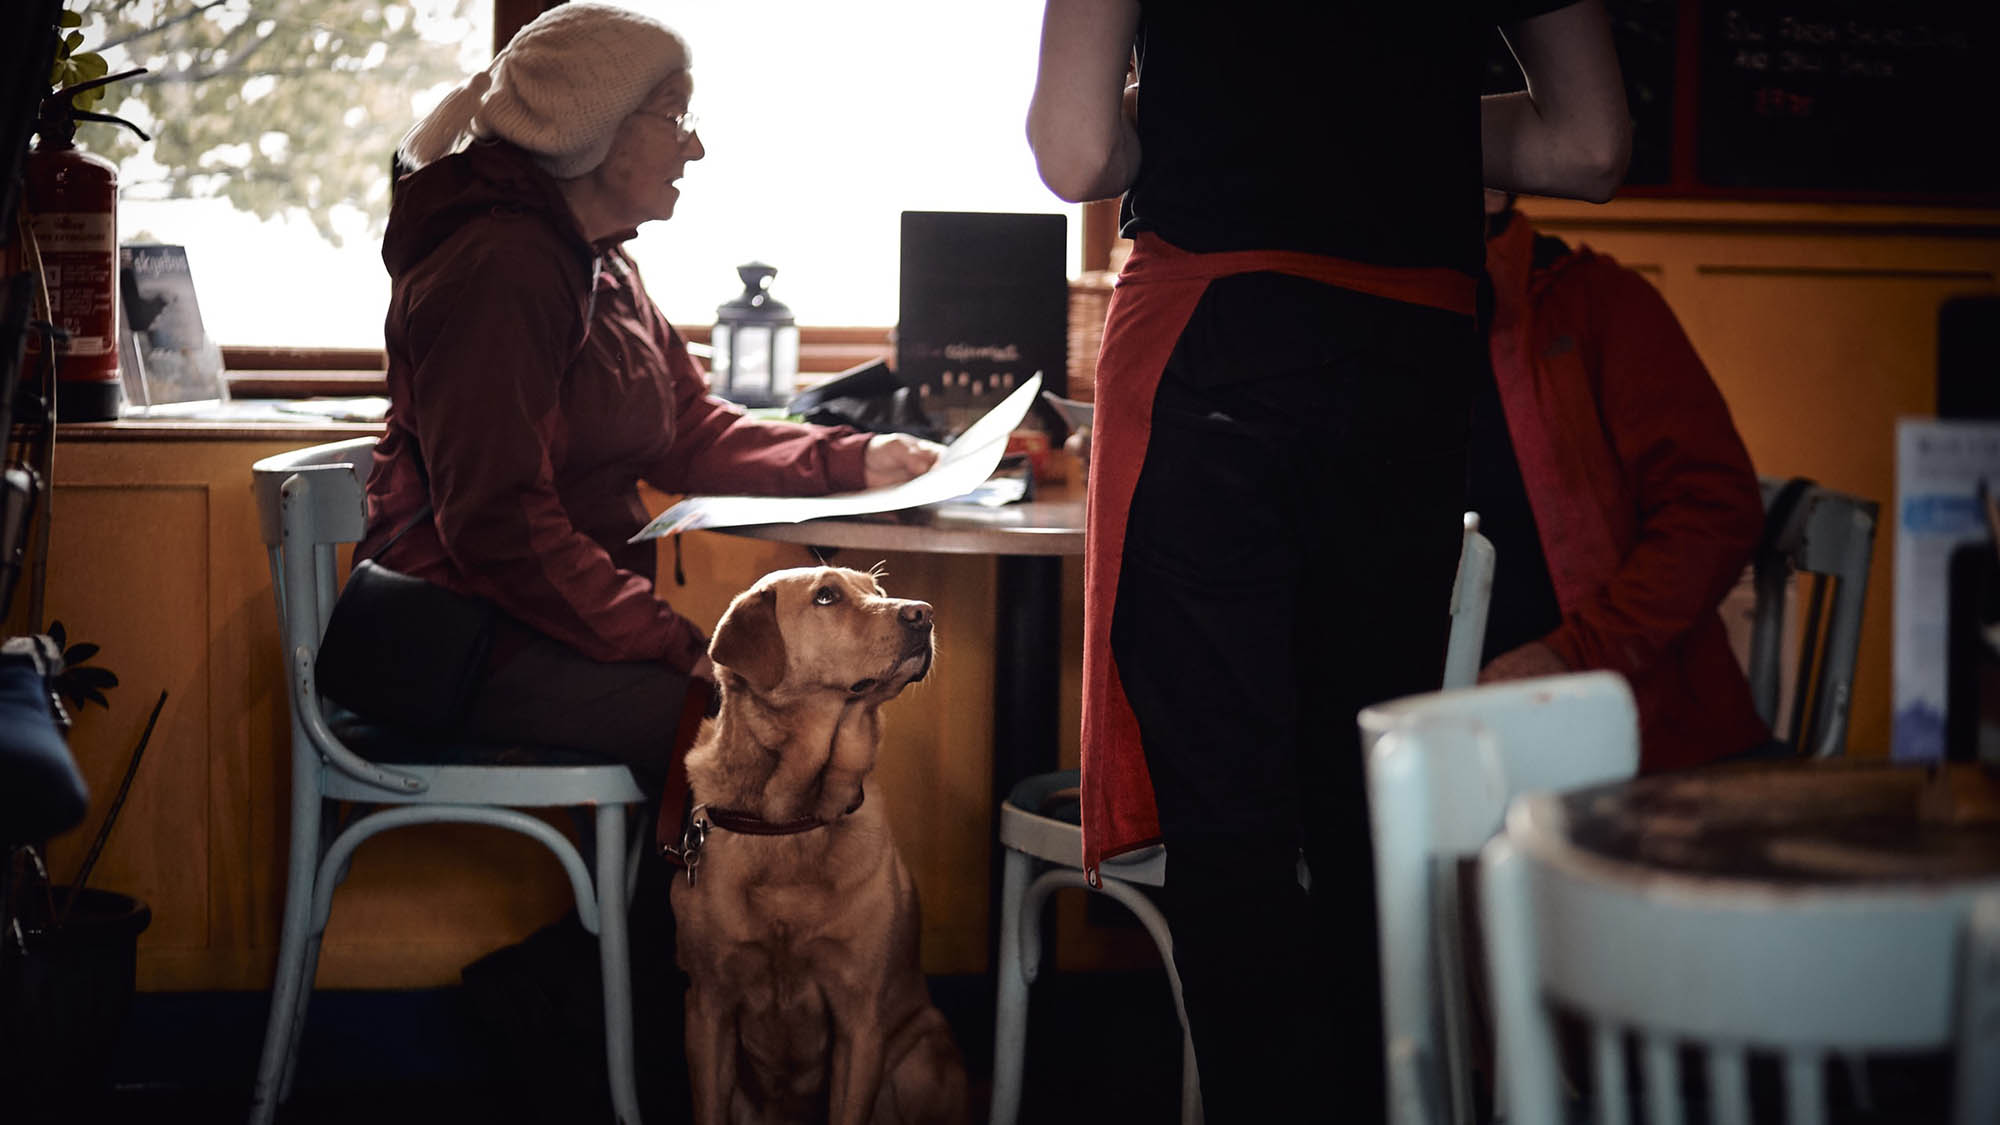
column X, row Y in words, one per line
column 533, row 384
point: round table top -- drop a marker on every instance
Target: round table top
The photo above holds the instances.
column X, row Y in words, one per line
column 1037, row 527
column 1797, row 822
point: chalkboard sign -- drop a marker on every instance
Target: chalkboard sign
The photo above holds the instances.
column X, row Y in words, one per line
column 1850, row 95
column 983, row 303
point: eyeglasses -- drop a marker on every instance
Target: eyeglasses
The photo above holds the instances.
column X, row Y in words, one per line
column 684, row 126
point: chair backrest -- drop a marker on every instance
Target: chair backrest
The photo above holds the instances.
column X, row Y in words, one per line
column 309, row 502
column 1827, row 539
column 1735, row 970
column 1442, row 768
column 1471, row 597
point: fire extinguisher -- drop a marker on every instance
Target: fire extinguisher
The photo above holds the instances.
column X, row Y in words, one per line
column 71, row 204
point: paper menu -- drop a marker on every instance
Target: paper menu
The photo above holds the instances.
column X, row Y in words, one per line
column 964, row 465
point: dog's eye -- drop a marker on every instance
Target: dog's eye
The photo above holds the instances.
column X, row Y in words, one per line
column 825, row 595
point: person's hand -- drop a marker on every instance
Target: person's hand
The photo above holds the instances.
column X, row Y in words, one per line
column 1532, row 659
column 895, row 458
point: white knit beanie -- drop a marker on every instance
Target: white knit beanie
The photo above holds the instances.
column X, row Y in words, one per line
column 559, row 90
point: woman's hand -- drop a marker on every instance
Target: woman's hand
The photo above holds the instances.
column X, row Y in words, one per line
column 895, row 458
column 1535, row 658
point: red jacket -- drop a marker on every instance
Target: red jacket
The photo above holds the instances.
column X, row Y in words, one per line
column 532, row 385
column 1644, row 497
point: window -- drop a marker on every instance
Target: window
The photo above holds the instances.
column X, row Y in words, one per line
column 272, row 125
column 823, row 123
column 273, row 122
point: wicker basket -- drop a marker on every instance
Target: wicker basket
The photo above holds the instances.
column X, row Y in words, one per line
column 1089, row 300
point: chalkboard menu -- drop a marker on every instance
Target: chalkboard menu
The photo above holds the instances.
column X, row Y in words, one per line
column 983, row 301
column 1865, row 99
column 1850, row 95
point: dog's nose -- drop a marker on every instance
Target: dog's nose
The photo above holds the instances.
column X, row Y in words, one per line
column 916, row 615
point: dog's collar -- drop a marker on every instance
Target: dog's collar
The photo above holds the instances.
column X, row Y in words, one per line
column 700, row 818
column 749, row 824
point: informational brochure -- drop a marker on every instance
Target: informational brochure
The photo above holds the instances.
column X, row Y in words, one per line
column 1940, row 466
column 963, row 467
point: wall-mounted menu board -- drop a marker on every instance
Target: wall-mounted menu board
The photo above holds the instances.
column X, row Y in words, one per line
column 1846, row 95
column 1865, row 99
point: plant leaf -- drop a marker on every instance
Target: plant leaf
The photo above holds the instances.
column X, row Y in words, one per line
column 73, row 40
column 92, row 676
column 92, row 695
column 78, row 653
column 57, row 635
column 70, row 19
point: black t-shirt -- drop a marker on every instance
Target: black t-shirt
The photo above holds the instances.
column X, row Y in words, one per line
column 1335, row 128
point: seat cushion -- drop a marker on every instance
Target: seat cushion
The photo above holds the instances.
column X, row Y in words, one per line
column 389, row 745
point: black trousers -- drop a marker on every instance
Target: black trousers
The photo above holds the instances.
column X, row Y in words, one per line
column 542, row 692
column 1288, row 560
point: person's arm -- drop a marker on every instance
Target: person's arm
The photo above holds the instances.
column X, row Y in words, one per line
column 1700, row 509
column 1569, row 133
column 1085, row 144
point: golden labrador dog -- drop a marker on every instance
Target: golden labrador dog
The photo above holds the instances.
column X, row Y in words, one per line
column 798, row 921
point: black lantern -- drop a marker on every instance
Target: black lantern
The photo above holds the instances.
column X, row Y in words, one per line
column 756, row 343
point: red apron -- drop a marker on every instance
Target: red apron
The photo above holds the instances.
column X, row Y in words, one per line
column 1155, row 295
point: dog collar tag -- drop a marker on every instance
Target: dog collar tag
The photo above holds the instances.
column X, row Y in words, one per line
column 693, row 838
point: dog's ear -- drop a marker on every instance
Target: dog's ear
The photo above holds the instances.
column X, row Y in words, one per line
column 748, row 641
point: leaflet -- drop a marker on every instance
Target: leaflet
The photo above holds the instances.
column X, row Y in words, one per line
column 964, row 466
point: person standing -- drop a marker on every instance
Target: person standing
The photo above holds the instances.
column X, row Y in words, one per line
column 1277, row 464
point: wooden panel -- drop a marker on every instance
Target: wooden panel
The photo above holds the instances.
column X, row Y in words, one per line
column 152, row 623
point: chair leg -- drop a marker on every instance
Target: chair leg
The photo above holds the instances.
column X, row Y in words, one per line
column 614, row 958
column 308, row 972
column 1010, row 1018
column 281, row 1029
column 1155, row 923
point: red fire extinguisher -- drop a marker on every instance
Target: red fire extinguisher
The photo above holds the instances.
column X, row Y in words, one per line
column 71, row 204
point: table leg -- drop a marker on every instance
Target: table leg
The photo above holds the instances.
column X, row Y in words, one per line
column 1027, row 682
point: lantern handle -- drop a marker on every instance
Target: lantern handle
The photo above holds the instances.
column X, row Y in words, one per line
column 756, row 277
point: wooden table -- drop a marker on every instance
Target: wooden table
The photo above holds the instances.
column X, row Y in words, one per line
column 1797, row 823
column 1028, row 542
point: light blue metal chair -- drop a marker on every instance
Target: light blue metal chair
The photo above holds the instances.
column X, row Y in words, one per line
column 1441, row 769
column 1731, row 970
column 1040, row 829
column 309, row 501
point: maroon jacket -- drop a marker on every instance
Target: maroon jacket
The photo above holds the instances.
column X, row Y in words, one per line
column 1644, row 497
column 532, row 385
